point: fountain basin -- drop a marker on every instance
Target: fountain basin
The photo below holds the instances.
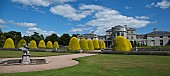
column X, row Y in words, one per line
column 19, row 62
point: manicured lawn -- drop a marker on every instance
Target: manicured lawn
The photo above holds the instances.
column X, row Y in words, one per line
column 111, row 65
column 12, row 54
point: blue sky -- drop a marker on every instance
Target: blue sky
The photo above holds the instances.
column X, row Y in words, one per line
column 82, row 16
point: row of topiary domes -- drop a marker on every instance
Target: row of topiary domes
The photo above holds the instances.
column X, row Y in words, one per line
column 75, row 45
column 9, row 43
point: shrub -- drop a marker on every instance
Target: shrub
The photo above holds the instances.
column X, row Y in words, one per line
column 121, row 44
column 49, row 45
column 41, row 44
column 56, row 44
column 90, row 45
column 33, row 44
column 74, row 44
column 21, row 42
column 9, row 43
column 83, row 44
column 103, row 45
column 96, row 44
column 100, row 44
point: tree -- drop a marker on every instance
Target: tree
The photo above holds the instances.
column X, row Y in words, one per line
column 122, row 44
column 74, row 44
column 56, row 45
column 36, row 37
column 96, row 44
column 41, row 44
column 103, row 46
column 49, row 45
column 16, row 36
column 83, row 44
column 53, row 37
column 75, row 35
column 64, row 39
column 2, row 38
column 20, row 44
column 90, row 45
column 27, row 38
column 9, row 43
column 33, row 44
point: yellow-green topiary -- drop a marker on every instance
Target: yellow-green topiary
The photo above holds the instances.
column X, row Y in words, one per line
column 96, row 44
column 49, row 45
column 41, row 44
column 103, row 45
column 122, row 44
column 21, row 42
column 83, row 44
column 74, row 44
column 90, row 44
column 9, row 43
column 56, row 44
column 100, row 44
column 33, row 44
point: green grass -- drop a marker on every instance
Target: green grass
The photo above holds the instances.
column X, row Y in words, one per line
column 110, row 65
column 13, row 54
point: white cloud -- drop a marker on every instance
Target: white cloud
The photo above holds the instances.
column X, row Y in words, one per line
column 33, row 2
column 31, row 31
column 2, row 22
column 25, row 24
column 164, row 4
column 127, row 7
column 43, row 3
column 141, row 17
column 76, row 30
column 67, row 11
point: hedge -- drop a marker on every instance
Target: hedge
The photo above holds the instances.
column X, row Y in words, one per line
column 41, row 44
column 49, row 45
column 100, row 44
column 90, row 45
column 56, row 45
column 83, row 44
column 96, row 44
column 122, row 44
column 74, row 44
column 32, row 44
column 9, row 43
column 21, row 42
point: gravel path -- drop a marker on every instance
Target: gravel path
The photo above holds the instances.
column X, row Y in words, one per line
column 55, row 62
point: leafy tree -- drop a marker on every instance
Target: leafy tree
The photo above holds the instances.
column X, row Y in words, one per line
column 121, row 44
column 49, row 45
column 56, row 45
column 20, row 44
column 33, row 44
column 74, row 44
column 53, row 37
column 96, row 44
column 27, row 38
column 2, row 38
column 90, row 44
column 9, row 43
column 103, row 46
column 83, row 44
column 41, row 44
column 36, row 37
column 64, row 39
column 75, row 35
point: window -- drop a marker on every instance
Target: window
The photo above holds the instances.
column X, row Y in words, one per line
column 161, row 36
column 168, row 36
column 132, row 32
column 122, row 33
column 91, row 38
column 118, row 34
column 153, row 43
column 131, row 37
column 161, row 42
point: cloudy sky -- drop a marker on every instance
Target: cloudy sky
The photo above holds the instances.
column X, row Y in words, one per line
column 83, row 16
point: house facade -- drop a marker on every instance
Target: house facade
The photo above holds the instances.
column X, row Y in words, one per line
column 155, row 38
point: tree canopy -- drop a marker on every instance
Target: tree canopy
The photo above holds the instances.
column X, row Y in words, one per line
column 74, row 44
column 9, row 43
column 84, row 44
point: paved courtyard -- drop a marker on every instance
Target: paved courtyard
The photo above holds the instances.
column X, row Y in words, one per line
column 54, row 63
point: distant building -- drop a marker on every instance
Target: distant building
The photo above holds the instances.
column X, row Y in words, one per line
column 155, row 38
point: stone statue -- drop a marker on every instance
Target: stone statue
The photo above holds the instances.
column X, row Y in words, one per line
column 25, row 49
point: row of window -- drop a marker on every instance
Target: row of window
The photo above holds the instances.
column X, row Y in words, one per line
column 162, row 37
column 153, row 43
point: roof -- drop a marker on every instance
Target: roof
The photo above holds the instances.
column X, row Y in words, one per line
column 130, row 29
column 109, row 30
column 159, row 33
column 88, row 35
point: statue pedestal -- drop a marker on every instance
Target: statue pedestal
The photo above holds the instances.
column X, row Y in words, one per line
column 26, row 59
